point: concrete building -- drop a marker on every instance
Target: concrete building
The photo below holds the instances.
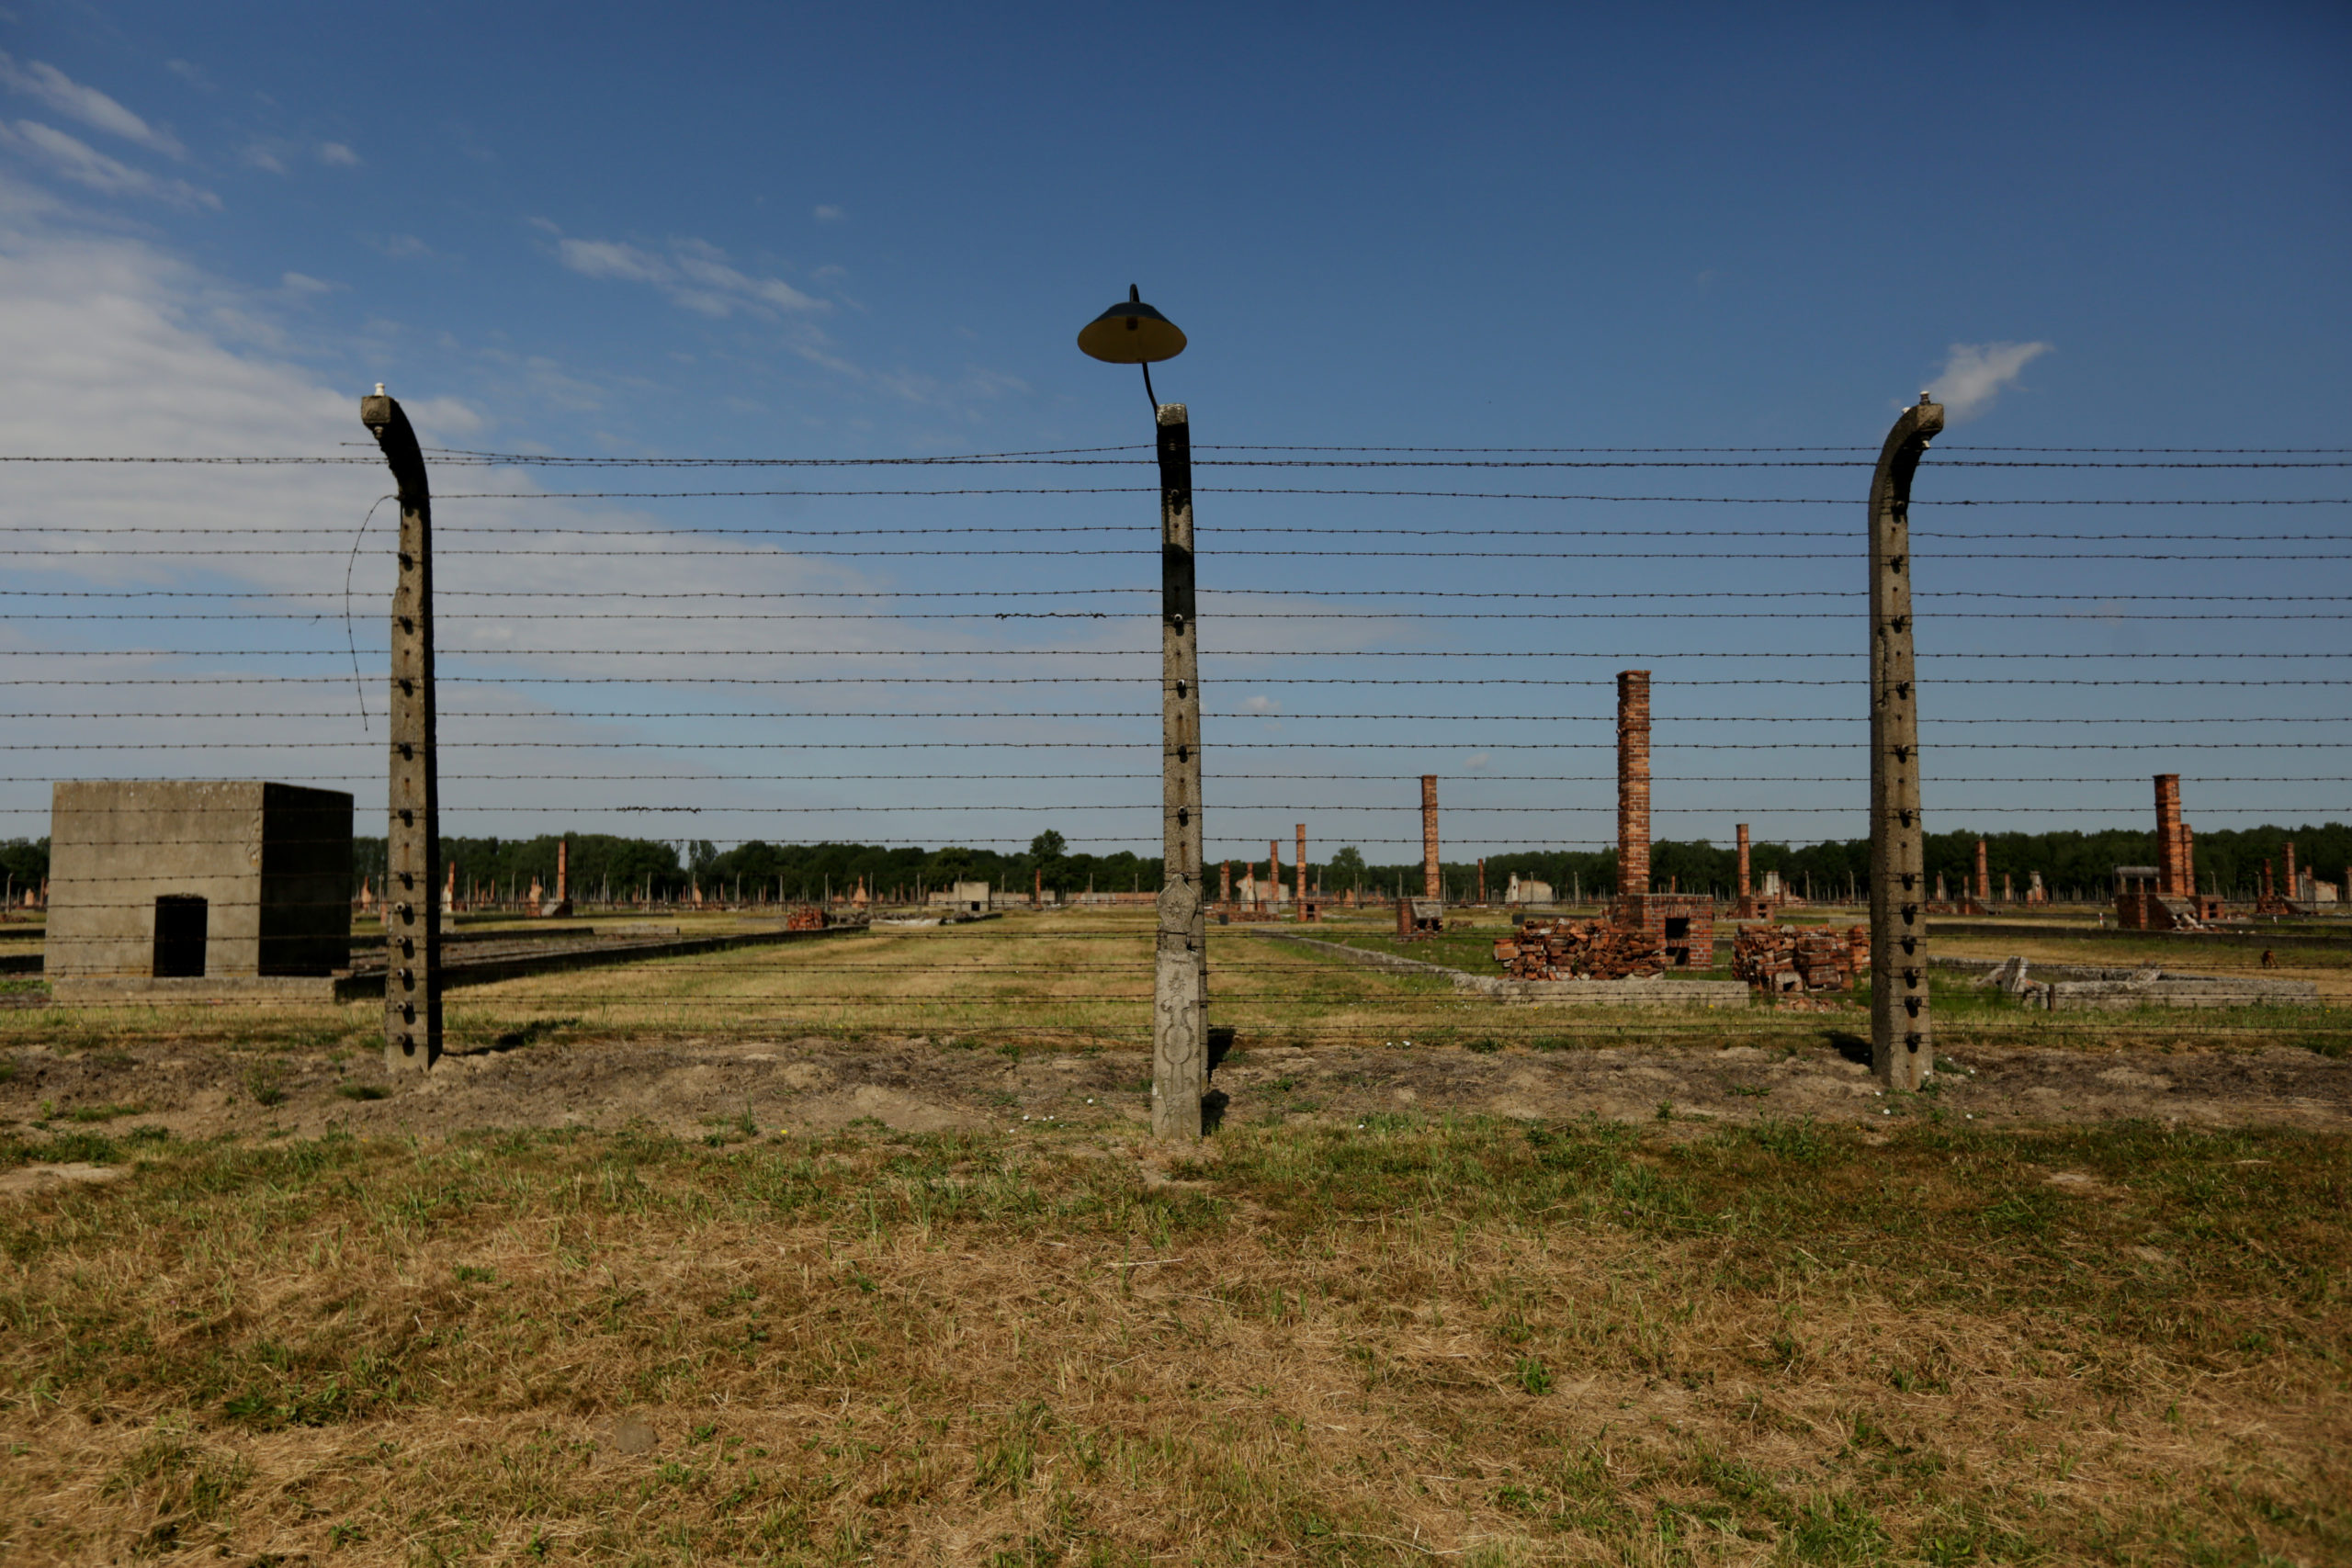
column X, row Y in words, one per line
column 160, row 885
column 971, row 898
column 1527, row 890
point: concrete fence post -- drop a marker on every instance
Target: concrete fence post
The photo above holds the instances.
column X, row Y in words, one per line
column 411, row 906
column 1901, row 1052
column 1180, row 1046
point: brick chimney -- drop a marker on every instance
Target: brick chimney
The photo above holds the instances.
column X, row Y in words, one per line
column 1984, row 876
column 562, row 870
column 1302, row 865
column 1274, row 873
column 1429, row 887
column 1743, row 866
column 2291, row 870
column 2169, row 878
column 1633, row 783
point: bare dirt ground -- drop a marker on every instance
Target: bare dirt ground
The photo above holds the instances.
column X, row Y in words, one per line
column 690, row 1087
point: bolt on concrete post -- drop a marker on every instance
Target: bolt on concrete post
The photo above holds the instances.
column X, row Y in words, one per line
column 1901, row 1052
column 1180, row 1050
column 411, row 906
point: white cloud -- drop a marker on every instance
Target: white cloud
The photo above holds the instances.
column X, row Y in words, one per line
column 336, row 155
column 303, row 283
column 1974, row 374
column 261, row 157
column 116, row 346
column 437, row 419
column 830, row 214
column 78, row 161
column 603, row 258
column 1477, row 760
column 37, row 79
column 695, row 275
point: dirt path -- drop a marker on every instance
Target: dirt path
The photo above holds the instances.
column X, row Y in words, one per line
column 709, row 1088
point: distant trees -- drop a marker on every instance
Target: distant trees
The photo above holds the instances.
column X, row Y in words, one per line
column 2230, row 860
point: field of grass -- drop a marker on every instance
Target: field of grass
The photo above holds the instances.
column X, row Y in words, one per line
column 1499, row 1343
column 1084, row 978
column 1379, row 1337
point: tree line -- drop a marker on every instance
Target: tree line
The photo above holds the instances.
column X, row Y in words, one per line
column 603, row 865
column 2071, row 862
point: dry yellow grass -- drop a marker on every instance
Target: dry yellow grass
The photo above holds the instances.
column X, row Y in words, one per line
column 1475, row 1340
column 1082, row 976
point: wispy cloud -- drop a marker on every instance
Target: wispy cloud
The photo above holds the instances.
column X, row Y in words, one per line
column 404, row 247
column 76, row 159
column 1975, row 374
column 303, row 283
column 334, row 154
column 830, row 214
column 85, row 105
column 692, row 274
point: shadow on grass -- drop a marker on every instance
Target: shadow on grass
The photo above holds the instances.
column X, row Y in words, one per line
column 1853, row 1047
column 530, row 1034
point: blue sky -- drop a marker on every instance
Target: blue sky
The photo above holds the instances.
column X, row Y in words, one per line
column 792, row 231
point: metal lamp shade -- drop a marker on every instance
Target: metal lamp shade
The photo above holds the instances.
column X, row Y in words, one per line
column 1131, row 332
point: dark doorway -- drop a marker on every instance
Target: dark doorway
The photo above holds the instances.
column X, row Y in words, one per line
column 181, row 924
column 1677, row 930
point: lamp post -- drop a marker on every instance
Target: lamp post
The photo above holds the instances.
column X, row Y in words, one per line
column 1134, row 334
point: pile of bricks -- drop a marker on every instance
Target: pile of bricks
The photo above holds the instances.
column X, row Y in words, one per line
column 1788, row 960
column 1579, row 950
column 806, row 919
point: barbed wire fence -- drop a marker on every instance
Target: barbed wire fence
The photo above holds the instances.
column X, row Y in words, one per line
column 776, row 663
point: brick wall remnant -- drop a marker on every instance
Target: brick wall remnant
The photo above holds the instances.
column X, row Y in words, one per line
column 1792, row 960
column 1579, row 950
column 1430, row 888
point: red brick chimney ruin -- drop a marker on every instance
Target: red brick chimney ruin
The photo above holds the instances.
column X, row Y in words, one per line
column 1633, row 783
column 1429, row 884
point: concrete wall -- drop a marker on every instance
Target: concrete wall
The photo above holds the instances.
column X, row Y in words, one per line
column 272, row 861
